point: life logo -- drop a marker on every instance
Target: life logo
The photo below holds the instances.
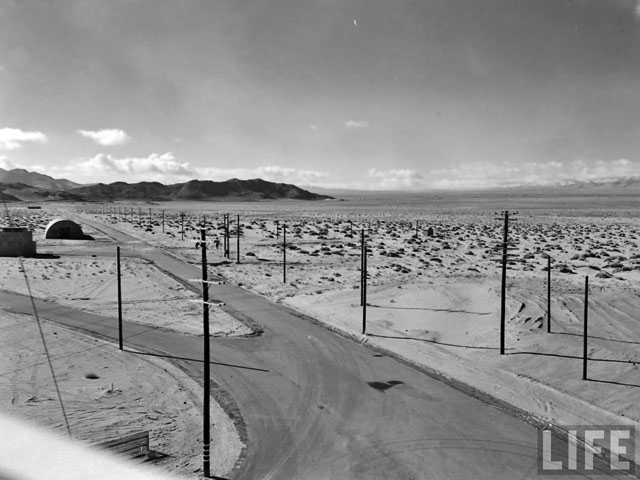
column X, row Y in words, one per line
column 587, row 449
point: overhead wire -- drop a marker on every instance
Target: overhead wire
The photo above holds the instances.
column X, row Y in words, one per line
column 39, row 323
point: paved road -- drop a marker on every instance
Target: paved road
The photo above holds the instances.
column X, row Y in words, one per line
column 319, row 406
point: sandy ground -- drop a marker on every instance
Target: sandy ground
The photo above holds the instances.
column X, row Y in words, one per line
column 434, row 296
column 434, row 291
column 131, row 393
column 107, row 393
column 149, row 296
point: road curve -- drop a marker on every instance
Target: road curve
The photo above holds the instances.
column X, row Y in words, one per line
column 319, row 406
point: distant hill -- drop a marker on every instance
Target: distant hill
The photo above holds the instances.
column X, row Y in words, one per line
column 233, row 189
column 35, row 179
column 19, row 192
column 21, row 185
column 621, row 182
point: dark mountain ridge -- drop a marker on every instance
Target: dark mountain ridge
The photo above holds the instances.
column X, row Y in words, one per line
column 22, row 185
column 255, row 189
column 35, row 179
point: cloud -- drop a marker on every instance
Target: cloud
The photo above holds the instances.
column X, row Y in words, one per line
column 485, row 174
column 271, row 173
column 356, row 124
column 397, row 179
column 106, row 168
column 500, row 174
column 6, row 164
column 106, row 137
column 167, row 169
column 13, row 138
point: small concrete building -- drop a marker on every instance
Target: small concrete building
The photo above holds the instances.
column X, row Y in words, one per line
column 16, row 242
column 64, row 229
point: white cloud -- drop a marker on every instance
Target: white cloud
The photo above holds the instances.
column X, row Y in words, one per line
column 271, row 173
column 153, row 167
column 6, row 164
column 106, row 137
column 106, row 168
column 167, row 169
column 356, row 124
column 485, row 175
column 397, row 179
column 13, row 138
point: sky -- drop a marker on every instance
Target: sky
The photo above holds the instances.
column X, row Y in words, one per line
column 363, row 94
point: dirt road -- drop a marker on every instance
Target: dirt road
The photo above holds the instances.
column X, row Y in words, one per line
column 319, row 406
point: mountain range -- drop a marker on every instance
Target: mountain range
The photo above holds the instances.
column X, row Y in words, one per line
column 22, row 185
column 35, row 179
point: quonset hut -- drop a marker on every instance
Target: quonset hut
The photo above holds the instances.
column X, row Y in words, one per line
column 64, row 229
column 16, row 242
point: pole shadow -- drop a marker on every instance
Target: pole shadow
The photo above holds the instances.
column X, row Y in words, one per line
column 173, row 357
column 447, row 310
column 426, row 340
column 611, row 382
column 597, row 338
column 577, row 357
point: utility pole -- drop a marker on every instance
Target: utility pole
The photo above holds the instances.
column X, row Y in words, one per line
column 362, row 268
column 238, row 240
column 206, row 436
column 363, row 282
column 119, row 300
column 548, row 293
column 182, row 223
column 503, row 290
column 584, row 337
column 284, row 253
column 227, row 236
column 162, row 221
column 504, row 281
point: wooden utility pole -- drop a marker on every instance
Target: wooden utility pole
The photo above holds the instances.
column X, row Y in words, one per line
column 162, row 221
column 503, row 290
column 119, row 300
column 363, row 282
column 227, row 233
column 206, row 423
column 284, row 253
column 584, row 337
column 362, row 268
column 548, row 293
column 238, row 240
column 182, row 223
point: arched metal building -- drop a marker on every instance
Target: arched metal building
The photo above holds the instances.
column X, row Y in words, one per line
column 64, row 229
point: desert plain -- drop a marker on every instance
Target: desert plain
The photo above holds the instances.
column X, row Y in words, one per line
column 433, row 300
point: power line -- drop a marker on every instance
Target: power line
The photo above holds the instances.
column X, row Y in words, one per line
column 44, row 343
